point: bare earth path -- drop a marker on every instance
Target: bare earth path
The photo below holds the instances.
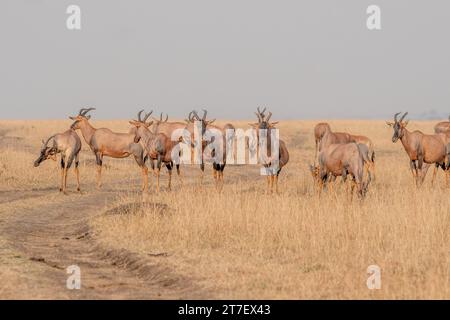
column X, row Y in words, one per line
column 38, row 242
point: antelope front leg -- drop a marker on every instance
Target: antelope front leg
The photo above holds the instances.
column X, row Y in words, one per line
column 352, row 190
column 272, row 182
column 144, row 179
column 99, row 159
column 77, row 173
column 372, row 169
column 412, row 165
column 447, row 175
column 158, row 173
column 170, row 167
column 221, row 180
column 63, row 165
column 276, row 184
column 66, row 170
column 434, row 175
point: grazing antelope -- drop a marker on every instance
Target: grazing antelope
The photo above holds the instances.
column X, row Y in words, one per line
column 369, row 161
column 324, row 137
column 421, row 148
column 342, row 160
column 268, row 161
column 442, row 127
column 158, row 146
column 69, row 145
column 319, row 131
column 104, row 142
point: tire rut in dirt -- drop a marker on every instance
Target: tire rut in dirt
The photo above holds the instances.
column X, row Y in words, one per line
column 57, row 235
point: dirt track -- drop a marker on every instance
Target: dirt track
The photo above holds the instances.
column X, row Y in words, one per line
column 37, row 244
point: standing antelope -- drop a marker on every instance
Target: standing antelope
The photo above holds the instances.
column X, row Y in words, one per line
column 168, row 128
column 341, row 160
column 218, row 162
column 421, row 148
column 269, row 161
column 104, row 142
column 69, row 145
column 442, row 127
column 158, row 146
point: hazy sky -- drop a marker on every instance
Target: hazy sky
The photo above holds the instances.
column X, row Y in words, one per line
column 303, row 59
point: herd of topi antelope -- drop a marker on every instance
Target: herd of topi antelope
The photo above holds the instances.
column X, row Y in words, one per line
column 338, row 153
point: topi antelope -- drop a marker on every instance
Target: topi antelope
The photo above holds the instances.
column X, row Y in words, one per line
column 104, row 142
column 69, row 145
column 421, row 148
column 158, row 146
column 211, row 145
column 166, row 127
column 342, row 160
column 442, row 127
column 319, row 131
column 272, row 165
column 325, row 137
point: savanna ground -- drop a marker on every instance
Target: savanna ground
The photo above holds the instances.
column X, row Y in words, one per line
column 194, row 242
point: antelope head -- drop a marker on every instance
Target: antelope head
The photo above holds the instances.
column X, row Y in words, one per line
column 160, row 120
column 315, row 171
column 81, row 117
column 263, row 121
column 140, row 124
column 399, row 126
column 203, row 120
column 157, row 121
column 47, row 152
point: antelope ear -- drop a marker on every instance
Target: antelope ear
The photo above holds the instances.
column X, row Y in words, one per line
column 273, row 124
column 73, row 118
column 132, row 122
column 390, row 124
column 254, row 125
column 211, row 121
column 148, row 124
column 404, row 124
column 88, row 117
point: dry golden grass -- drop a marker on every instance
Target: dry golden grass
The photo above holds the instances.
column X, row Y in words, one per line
column 241, row 243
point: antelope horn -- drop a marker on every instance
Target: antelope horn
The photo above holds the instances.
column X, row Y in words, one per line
column 395, row 116
column 147, row 115
column 48, row 140
column 160, row 117
column 139, row 115
column 84, row 111
column 268, row 117
column 167, row 118
column 205, row 112
column 403, row 117
column 259, row 117
column 196, row 115
column 190, row 116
